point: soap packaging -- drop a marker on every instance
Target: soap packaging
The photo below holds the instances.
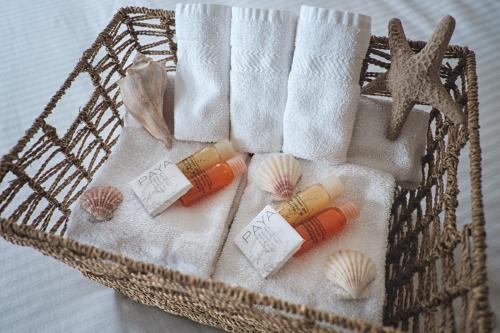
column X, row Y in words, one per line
column 160, row 186
column 268, row 241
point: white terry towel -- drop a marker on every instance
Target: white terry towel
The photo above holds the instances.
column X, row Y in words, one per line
column 261, row 55
column 202, row 83
column 370, row 147
column 323, row 88
column 185, row 239
column 301, row 280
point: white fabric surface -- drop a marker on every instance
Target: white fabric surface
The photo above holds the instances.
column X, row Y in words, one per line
column 323, row 88
column 203, row 33
column 261, row 53
column 42, row 42
column 187, row 239
column 301, row 280
column 370, row 147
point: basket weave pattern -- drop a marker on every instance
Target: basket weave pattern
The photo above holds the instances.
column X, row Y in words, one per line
column 435, row 273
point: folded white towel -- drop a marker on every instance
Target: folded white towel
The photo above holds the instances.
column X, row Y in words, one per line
column 185, row 239
column 323, row 88
column 261, row 55
column 302, row 280
column 370, row 147
column 202, row 84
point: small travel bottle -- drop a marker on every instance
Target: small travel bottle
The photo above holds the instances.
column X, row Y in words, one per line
column 206, row 158
column 310, row 201
column 213, row 179
column 325, row 225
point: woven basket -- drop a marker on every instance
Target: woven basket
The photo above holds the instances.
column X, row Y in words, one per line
column 435, row 272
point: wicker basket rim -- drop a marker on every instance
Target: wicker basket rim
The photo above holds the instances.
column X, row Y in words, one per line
column 10, row 230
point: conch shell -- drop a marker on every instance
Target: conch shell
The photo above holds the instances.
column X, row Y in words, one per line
column 142, row 90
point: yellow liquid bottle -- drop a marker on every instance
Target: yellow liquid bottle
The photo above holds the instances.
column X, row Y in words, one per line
column 206, row 158
column 311, row 201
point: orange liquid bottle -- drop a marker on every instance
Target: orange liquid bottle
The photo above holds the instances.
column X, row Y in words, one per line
column 324, row 225
column 213, row 179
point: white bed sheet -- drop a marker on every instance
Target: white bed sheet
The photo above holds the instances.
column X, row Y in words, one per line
column 41, row 43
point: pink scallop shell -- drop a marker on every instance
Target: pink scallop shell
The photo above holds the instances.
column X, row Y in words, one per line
column 101, row 201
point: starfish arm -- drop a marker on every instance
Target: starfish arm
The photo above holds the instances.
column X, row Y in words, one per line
column 433, row 52
column 397, row 39
column 439, row 98
column 379, row 84
column 401, row 107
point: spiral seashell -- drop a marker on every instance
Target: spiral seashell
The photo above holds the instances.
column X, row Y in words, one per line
column 351, row 272
column 101, row 201
column 279, row 174
column 142, row 91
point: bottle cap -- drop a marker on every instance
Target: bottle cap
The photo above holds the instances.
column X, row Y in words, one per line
column 333, row 186
column 225, row 149
column 237, row 164
column 350, row 211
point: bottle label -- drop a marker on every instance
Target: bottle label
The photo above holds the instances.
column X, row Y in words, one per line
column 315, row 230
column 190, row 166
column 295, row 207
column 202, row 182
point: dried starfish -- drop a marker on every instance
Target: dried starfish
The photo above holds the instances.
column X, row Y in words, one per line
column 415, row 77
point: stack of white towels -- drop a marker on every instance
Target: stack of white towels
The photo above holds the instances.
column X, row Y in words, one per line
column 278, row 82
column 270, row 81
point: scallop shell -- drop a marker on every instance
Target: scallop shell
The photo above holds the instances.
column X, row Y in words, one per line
column 101, row 201
column 279, row 174
column 142, row 91
column 351, row 272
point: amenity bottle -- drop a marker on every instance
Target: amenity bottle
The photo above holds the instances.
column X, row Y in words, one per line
column 325, row 225
column 213, row 179
column 206, row 158
column 311, row 201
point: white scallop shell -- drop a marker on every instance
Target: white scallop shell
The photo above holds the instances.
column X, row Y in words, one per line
column 101, row 201
column 351, row 272
column 143, row 89
column 279, row 174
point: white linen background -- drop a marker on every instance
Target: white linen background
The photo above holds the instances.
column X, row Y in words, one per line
column 43, row 40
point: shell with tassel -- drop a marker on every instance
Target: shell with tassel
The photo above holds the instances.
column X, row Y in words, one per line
column 279, row 174
column 142, row 90
column 100, row 202
column 351, row 272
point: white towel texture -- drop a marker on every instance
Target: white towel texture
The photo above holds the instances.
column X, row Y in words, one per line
column 323, row 88
column 185, row 239
column 302, row 279
column 202, row 84
column 370, row 147
column 261, row 55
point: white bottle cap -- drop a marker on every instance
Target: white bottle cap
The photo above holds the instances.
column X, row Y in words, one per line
column 333, row 186
column 225, row 149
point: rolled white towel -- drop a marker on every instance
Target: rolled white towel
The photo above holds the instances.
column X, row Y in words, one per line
column 323, row 88
column 370, row 147
column 261, row 53
column 202, row 82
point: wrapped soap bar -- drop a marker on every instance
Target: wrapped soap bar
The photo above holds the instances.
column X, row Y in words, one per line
column 160, row 186
column 268, row 241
